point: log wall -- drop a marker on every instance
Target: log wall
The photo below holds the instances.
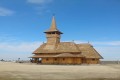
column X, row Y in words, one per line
column 61, row 60
column 67, row 60
column 92, row 61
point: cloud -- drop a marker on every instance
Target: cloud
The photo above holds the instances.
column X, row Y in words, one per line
column 109, row 52
column 41, row 6
column 101, row 43
column 39, row 1
column 7, row 38
column 42, row 9
column 109, row 43
column 5, row 12
column 14, row 50
column 19, row 47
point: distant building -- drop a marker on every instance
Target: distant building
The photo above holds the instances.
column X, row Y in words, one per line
column 56, row 52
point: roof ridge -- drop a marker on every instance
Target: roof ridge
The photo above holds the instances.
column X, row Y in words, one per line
column 77, row 46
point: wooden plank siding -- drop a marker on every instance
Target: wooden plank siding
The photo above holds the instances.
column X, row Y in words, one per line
column 67, row 60
column 61, row 60
column 92, row 61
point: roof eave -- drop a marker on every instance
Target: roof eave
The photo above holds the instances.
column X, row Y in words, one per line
column 53, row 31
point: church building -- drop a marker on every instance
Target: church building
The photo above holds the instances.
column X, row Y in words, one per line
column 56, row 52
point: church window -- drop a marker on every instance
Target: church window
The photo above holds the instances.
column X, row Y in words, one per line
column 55, row 59
column 47, row 59
column 93, row 59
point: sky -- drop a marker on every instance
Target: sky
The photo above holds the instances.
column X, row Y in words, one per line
column 22, row 23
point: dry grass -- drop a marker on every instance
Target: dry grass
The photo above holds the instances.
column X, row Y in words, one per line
column 17, row 71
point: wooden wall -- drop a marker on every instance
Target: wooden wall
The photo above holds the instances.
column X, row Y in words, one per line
column 61, row 60
column 92, row 61
column 67, row 60
column 47, row 60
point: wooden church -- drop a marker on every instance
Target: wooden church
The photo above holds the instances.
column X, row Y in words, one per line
column 56, row 52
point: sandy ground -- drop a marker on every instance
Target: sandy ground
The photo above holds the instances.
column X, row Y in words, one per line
column 20, row 71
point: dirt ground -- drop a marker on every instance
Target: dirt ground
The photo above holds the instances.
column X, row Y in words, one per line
column 28, row 71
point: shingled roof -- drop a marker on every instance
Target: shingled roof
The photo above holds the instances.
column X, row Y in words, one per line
column 88, row 51
column 68, row 55
column 58, row 55
column 62, row 47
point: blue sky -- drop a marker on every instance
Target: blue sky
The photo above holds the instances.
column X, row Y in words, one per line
column 22, row 23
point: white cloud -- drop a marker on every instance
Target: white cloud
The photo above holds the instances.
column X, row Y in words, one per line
column 5, row 12
column 109, row 52
column 103, row 43
column 20, row 47
column 6, row 38
column 13, row 50
column 42, row 9
column 39, row 1
column 41, row 6
column 110, row 43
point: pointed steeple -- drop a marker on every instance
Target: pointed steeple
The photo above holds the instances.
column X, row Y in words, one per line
column 53, row 27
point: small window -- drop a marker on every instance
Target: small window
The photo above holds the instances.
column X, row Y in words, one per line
column 63, row 59
column 93, row 59
column 47, row 59
column 55, row 59
column 53, row 33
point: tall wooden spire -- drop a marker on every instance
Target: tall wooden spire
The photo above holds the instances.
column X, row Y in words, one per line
column 53, row 34
column 53, row 27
